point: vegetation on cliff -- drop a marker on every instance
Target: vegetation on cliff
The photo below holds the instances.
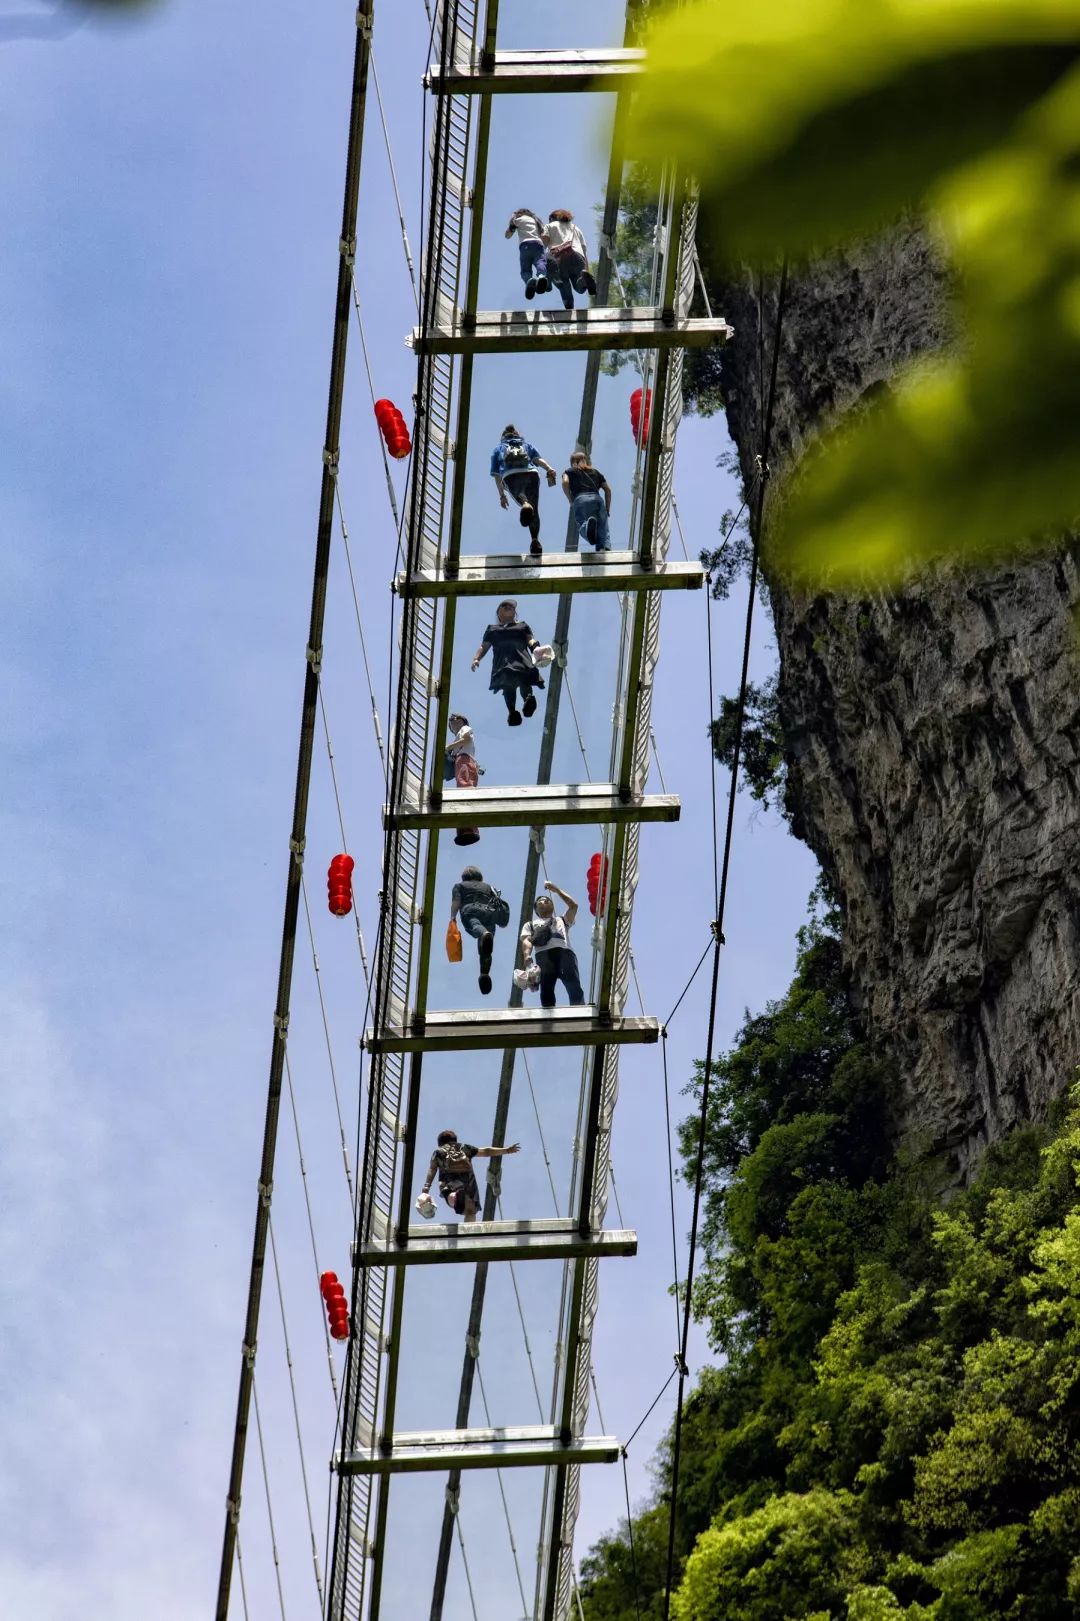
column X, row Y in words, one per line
column 894, row 1430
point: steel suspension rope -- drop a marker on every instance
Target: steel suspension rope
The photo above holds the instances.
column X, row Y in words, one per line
column 718, row 926
column 313, row 657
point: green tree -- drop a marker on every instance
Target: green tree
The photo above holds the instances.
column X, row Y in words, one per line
column 846, row 114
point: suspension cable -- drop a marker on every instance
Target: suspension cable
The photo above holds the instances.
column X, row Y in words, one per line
column 394, row 182
column 313, row 659
column 682, row 1369
column 310, row 1219
column 329, row 1046
column 363, row 644
column 266, row 1488
column 296, row 1416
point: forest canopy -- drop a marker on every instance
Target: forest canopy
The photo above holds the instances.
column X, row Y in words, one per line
column 895, row 1429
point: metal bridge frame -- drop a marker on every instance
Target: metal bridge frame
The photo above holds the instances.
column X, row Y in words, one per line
column 468, row 72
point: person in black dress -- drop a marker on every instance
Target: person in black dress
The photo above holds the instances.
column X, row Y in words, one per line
column 510, row 642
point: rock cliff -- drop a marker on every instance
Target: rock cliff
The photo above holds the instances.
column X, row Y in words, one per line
column 934, row 745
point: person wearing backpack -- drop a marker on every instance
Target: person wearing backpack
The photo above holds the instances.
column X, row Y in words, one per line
column 482, row 910
column 513, row 668
column 546, row 940
column 451, row 1163
column 514, row 464
column 532, row 246
column 567, row 261
column 589, row 495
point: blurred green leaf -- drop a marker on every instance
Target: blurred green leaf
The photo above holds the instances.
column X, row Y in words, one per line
column 810, row 120
column 973, row 456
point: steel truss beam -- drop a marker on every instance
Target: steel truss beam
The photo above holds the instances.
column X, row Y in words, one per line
column 511, row 332
column 421, row 1451
column 537, row 72
column 547, row 805
column 557, row 1238
column 480, row 576
column 463, row 1030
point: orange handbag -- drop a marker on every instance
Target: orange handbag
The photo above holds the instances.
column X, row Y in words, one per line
column 453, row 942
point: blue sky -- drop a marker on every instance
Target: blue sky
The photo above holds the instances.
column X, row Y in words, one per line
column 172, row 201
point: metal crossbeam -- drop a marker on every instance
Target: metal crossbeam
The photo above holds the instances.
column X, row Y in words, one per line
column 537, row 72
column 419, row 1451
column 557, row 1238
column 554, row 805
column 463, row 1030
column 509, row 332
column 479, row 576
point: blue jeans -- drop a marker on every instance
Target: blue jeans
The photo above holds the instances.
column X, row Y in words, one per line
column 531, row 258
column 567, row 272
column 591, row 504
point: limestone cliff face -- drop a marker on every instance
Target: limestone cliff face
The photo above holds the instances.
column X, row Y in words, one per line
column 934, row 748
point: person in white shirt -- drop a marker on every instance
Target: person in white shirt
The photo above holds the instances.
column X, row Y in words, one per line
column 532, row 246
column 546, row 940
column 461, row 767
column 567, row 261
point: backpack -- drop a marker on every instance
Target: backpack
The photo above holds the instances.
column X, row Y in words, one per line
column 515, row 456
column 500, row 911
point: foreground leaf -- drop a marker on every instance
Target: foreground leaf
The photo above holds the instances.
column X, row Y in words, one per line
column 809, row 120
column 963, row 456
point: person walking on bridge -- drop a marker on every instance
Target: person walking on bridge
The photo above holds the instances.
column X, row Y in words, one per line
column 510, row 642
column 567, row 262
column 514, row 467
column 460, row 767
column 451, row 1163
column 589, row 495
column 532, row 246
column 482, row 911
column 547, row 940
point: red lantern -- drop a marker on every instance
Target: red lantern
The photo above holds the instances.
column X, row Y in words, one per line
column 337, row 1308
column 596, row 880
column 392, row 425
column 339, row 885
column 639, row 421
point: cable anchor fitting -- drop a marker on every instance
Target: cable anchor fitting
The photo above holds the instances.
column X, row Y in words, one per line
column 680, row 1363
column 330, row 462
column 281, row 1025
column 248, row 1353
column 472, row 1345
column 347, row 250
column 313, row 655
column 717, row 932
column 297, row 848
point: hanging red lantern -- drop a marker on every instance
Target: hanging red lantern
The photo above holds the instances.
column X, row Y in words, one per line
column 596, row 882
column 337, row 1307
column 639, row 420
column 393, row 429
column 339, row 885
